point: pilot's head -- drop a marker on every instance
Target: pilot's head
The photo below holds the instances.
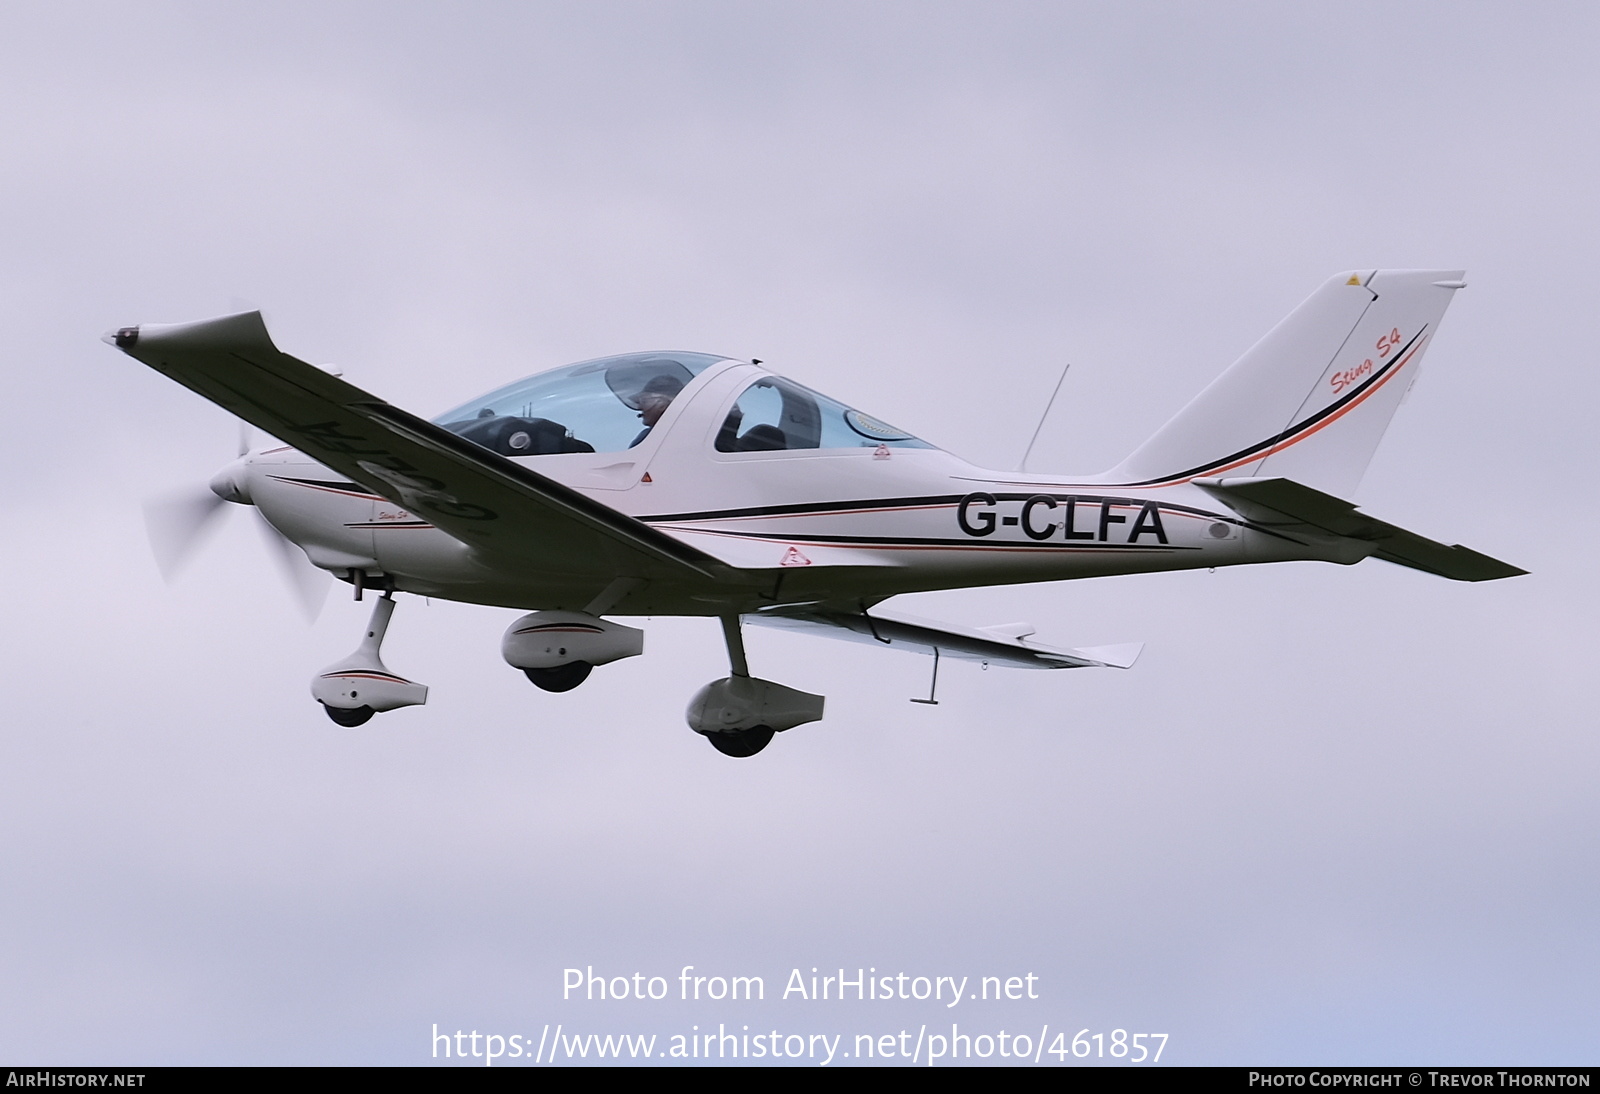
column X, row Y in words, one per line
column 656, row 397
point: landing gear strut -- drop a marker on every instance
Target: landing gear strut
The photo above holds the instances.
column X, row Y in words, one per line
column 740, row 714
column 358, row 687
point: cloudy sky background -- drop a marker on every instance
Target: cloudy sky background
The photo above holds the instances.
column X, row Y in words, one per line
column 1334, row 815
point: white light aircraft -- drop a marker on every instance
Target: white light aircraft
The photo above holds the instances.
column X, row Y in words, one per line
column 691, row 484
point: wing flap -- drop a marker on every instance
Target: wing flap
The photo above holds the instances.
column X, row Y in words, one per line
column 903, row 632
column 482, row 498
column 1287, row 505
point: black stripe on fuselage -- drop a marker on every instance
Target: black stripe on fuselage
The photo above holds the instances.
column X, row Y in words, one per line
column 930, row 541
column 813, row 508
column 829, row 508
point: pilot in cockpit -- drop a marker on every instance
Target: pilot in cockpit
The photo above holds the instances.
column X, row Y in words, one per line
column 653, row 401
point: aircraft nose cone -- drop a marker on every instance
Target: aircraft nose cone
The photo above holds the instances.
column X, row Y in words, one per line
column 229, row 484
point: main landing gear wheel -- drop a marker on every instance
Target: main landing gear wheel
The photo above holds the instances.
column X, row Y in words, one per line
column 740, row 742
column 350, row 716
column 562, row 677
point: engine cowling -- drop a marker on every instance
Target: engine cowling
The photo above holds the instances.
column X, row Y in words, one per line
column 550, row 639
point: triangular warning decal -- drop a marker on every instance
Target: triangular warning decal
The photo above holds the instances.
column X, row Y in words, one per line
column 1354, row 280
column 793, row 557
column 647, row 478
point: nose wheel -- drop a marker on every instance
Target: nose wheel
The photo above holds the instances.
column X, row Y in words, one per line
column 358, row 687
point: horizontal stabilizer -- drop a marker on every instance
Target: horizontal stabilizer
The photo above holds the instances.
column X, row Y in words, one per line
column 1284, row 505
column 924, row 636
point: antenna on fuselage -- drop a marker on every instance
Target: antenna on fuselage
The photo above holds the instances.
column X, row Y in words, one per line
column 1023, row 466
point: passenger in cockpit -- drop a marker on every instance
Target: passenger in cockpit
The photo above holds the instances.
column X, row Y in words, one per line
column 653, row 402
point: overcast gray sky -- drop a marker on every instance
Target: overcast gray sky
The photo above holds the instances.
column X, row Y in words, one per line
column 1334, row 815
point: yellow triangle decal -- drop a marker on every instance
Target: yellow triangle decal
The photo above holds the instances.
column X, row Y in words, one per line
column 1354, row 280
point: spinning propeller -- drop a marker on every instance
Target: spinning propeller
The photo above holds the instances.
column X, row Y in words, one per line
column 178, row 523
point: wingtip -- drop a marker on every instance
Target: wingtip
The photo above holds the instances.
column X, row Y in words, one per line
column 1113, row 657
column 124, row 338
column 1481, row 567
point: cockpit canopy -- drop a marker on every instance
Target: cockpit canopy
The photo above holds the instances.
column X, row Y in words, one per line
column 611, row 404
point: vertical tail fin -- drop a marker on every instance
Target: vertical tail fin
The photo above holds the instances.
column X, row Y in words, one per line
column 1311, row 400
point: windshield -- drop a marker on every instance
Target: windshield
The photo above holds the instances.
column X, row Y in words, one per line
column 606, row 405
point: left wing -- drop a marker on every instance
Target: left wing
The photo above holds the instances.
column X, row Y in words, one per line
column 479, row 496
column 997, row 645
